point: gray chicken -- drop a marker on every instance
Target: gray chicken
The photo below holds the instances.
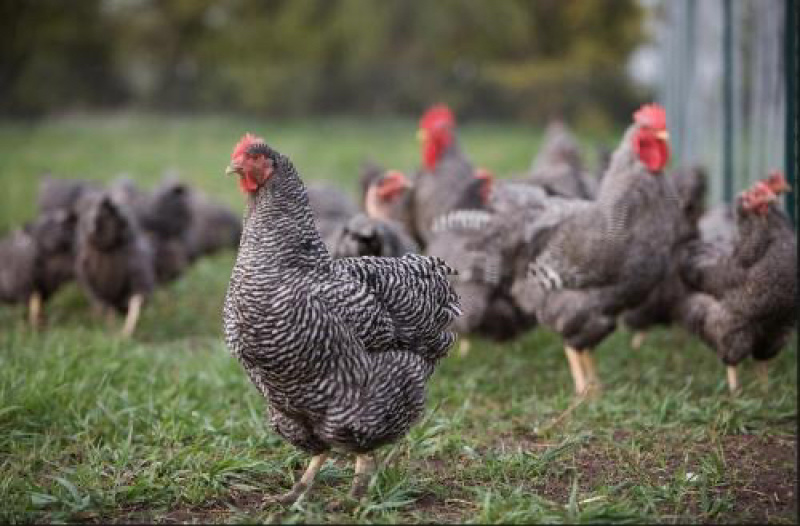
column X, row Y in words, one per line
column 341, row 349
column 744, row 300
column 214, row 227
column 663, row 304
column 591, row 260
column 379, row 230
column 113, row 260
column 56, row 193
column 558, row 167
column 37, row 259
column 447, row 180
column 331, row 208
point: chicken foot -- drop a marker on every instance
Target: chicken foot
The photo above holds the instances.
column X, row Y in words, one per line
column 365, row 468
column 35, row 310
column 134, row 309
column 302, row 486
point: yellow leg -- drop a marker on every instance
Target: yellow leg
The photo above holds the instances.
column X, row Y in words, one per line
column 638, row 340
column 576, row 368
column 365, row 467
column 134, row 308
column 762, row 372
column 35, row 310
column 303, row 485
column 590, row 371
column 463, row 347
column 733, row 379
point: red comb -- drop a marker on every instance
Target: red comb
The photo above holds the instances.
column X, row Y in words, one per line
column 436, row 116
column 484, row 173
column 244, row 143
column 777, row 182
column 652, row 116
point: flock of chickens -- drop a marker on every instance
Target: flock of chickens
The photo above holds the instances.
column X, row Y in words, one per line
column 339, row 313
column 117, row 242
column 339, row 320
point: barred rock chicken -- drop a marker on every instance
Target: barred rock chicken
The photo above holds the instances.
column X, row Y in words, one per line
column 663, row 304
column 599, row 258
column 376, row 232
column 744, row 301
column 341, row 349
column 36, row 260
column 446, row 182
column 558, row 167
column 114, row 261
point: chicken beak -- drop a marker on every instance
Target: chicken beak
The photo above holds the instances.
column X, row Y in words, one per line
column 663, row 135
column 232, row 170
column 422, row 135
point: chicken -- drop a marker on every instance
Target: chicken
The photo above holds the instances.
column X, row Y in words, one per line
column 341, row 349
column 60, row 194
column 331, row 208
column 113, row 260
column 37, row 260
column 446, row 182
column 744, row 301
column 167, row 221
column 591, row 260
column 663, row 304
column 376, row 232
column 482, row 245
column 214, row 226
column 558, row 167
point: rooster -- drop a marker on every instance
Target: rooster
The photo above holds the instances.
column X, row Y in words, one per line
column 446, row 182
column 744, row 299
column 341, row 349
column 591, row 260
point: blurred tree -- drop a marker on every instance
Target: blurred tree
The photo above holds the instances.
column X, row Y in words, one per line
column 520, row 59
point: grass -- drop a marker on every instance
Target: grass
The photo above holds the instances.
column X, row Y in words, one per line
column 167, row 428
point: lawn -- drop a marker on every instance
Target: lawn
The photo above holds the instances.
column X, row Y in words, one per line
column 167, row 428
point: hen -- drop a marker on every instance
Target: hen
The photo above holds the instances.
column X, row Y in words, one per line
column 341, row 349
column 37, row 260
column 113, row 260
column 744, row 300
column 558, row 167
column 594, row 259
column 379, row 230
column 663, row 304
column 447, row 180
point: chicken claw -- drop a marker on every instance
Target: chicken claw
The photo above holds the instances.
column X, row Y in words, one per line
column 302, row 486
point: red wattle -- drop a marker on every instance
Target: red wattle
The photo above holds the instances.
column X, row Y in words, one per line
column 652, row 151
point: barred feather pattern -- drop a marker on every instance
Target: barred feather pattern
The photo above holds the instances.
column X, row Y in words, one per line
column 341, row 349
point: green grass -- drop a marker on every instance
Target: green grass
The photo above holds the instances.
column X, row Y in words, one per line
column 168, row 428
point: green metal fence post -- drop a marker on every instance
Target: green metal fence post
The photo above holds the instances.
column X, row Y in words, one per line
column 727, row 101
column 790, row 59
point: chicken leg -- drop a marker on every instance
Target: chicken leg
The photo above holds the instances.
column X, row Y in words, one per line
column 365, row 467
column 302, row 486
column 134, row 308
column 762, row 372
column 463, row 347
column 576, row 368
column 733, row 379
column 638, row 340
column 35, row 310
column 590, row 372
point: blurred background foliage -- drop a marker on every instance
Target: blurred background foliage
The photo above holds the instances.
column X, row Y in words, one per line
column 507, row 59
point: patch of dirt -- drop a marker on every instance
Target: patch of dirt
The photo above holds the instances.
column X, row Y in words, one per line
column 759, row 474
